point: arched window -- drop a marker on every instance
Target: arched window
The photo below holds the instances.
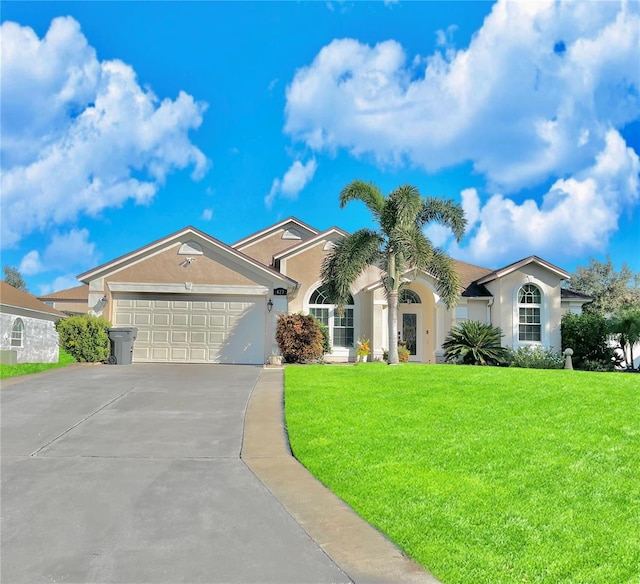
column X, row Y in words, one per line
column 529, row 321
column 17, row 334
column 340, row 325
column 407, row 296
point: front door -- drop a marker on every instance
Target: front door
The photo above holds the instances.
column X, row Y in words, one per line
column 409, row 334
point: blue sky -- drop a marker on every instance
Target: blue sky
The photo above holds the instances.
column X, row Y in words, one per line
column 124, row 122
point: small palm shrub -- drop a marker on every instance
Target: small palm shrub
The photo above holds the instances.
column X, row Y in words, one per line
column 474, row 343
column 299, row 338
column 85, row 337
column 535, row 358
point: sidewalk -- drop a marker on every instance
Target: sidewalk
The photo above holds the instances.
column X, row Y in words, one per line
column 364, row 554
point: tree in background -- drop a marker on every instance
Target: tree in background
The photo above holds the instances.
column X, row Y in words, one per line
column 14, row 278
column 588, row 335
column 612, row 291
column 396, row 246
column 624, row 327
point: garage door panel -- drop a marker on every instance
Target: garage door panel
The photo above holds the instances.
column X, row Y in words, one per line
column 198, row 337
column 159, row 353
column 199, row 320
column 179, row 320
column 161, row 319
column 159, row 336
column 179, row 337
column 198, row 330
column 141, row 319
column 123, row 319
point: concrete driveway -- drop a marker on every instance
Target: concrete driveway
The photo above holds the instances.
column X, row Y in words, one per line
column 133, row 474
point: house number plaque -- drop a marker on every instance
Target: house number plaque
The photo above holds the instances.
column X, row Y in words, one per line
column 279, row 291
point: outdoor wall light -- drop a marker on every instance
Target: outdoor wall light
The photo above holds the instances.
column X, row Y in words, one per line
column 270, row 305
column 104, row 299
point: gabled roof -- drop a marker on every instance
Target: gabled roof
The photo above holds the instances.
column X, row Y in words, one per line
column 271, row 229
column 469, row 275
column 160, row 244
column 520, row 264
column 12, row 297
column 309, row 242
column 77, row 293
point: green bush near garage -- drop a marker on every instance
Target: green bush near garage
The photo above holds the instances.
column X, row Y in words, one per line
column 85, row 337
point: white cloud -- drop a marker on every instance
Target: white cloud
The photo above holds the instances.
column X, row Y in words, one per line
column 532, row 97
column 65, row 251
column 207, row 214
column 294, row 180
column 577, row 214
column 80, row 135
column 59, row 283
column 31, row 264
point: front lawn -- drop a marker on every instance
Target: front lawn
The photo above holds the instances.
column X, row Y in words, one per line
column 481, row 474
column 64, row 359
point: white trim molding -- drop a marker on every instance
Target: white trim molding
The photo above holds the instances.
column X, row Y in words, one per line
column 188, row 288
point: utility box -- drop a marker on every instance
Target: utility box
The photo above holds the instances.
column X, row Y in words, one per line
column 122, row 340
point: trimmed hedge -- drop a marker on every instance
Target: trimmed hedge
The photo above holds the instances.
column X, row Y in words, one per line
column 85, row 337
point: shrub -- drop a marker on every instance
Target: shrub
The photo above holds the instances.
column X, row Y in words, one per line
column 474, row 343
column 85, row 337
column 403, row 353
column 587, row 335
column 326, row 341
column 299, row 338
column 535, row 358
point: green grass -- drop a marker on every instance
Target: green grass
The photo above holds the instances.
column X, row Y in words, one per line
column 26, row 368
column 481, row 474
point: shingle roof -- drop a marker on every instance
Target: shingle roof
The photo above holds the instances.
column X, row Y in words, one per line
column 469, row 273
column 77, row 293
column 10, row 296
column 566, row 294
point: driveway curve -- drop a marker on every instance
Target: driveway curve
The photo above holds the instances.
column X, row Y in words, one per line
column 133, row 474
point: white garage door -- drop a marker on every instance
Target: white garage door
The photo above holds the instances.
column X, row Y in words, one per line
column 197, row 329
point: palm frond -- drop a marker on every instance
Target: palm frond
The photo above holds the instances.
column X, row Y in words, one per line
column 402, row 209
column 474, row 343
column 441, row 266
column 368, row 193
column 348, row 259
column 445, row 212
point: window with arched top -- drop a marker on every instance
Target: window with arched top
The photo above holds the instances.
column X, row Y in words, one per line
column 407, row 296
column 17, row 334
column 339, row 323
column 529, row 313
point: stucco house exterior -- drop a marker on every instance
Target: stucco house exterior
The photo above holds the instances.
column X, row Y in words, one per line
column 27, row 328
column 70, row 301
column 196, row 299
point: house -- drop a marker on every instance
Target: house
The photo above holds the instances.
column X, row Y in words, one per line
column 196, row 299
column 27, row 328
column 71, row 301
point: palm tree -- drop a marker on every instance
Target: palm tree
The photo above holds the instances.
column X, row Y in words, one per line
column 398, row 244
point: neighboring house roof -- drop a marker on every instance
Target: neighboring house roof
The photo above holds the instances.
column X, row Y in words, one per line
column 520, row 264
column 244, row 242
column 13, row 298
column 569, row 294
column 159, row 244
column 77, row 293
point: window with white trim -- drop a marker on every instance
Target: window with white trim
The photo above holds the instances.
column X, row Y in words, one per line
column 340, row 325
column 406, row 296
column 17, row 334
column 529, row 311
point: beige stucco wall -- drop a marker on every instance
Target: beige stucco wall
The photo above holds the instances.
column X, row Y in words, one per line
column 169, row 266
column 69, row 305
column 264, row 249
column 504, row 311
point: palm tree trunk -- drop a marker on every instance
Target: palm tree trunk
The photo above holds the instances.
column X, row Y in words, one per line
column 393, row 327
column 393, row 284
